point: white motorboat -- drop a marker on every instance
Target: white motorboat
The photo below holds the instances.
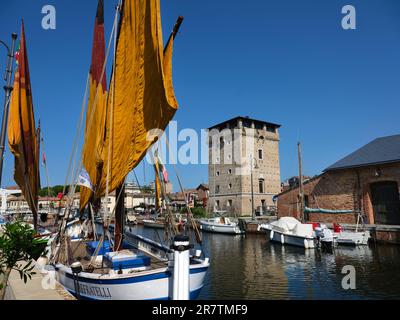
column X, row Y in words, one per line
column 353, row 238
column 221, row 225
column 288, row 230
column 151, row 223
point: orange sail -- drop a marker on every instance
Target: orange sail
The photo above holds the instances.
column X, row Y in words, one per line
column 96, row 110
column 22, row 132
column 141, row 95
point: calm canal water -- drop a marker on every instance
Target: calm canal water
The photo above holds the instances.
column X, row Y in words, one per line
column 250, row 267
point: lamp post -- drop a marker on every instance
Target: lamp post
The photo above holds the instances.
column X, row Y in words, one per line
column 252, row 187
column 8, row 88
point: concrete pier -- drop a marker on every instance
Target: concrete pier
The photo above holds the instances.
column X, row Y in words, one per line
column 33, row 289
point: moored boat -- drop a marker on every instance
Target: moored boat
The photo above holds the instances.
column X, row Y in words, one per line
column 290, row 231
column 150, row 223
column 221, row 225
column 127, row 275
column 352, row 237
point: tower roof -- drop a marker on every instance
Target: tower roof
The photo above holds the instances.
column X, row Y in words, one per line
column 256, row 121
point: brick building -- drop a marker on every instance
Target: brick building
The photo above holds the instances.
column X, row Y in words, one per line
column 238, row 147
column 365, row 181
column 203, row 193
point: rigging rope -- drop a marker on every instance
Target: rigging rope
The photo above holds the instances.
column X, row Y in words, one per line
column 189, row 212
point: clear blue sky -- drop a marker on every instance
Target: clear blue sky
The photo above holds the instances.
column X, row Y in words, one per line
column 287, row 62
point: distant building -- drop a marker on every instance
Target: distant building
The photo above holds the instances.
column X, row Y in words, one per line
column 178, row 200
column 235, row 147
column 365, row 181
column 168, row 187
column 134, row 197
column 203, row 193
column 293, row 182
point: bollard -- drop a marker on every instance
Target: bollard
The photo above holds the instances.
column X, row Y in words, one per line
column 76, row 268
column 181, row 277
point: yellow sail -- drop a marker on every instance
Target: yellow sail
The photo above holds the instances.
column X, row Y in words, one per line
column 141, row 96
column 22, row 138
column 96, row 110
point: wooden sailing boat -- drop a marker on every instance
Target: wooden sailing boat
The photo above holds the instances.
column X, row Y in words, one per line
column 140, row 99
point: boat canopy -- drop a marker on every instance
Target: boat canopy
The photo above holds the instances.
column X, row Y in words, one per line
column 320, row 210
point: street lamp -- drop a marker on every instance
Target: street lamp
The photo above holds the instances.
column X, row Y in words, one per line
column 252, row 188
column 8, row 88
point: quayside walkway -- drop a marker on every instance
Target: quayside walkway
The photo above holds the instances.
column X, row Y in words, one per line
column 33, row 289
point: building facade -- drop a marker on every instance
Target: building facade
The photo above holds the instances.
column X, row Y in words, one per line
column 366, row 181
column 243, row 165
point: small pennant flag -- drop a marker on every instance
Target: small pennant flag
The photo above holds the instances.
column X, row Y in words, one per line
column 84, row 180
column 17, row 54
column 44, row 159
column 60, row 195
column 163, row 169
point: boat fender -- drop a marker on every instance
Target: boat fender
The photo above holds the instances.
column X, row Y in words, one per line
column 305, row 243
column 282, row 239
column 271, row 235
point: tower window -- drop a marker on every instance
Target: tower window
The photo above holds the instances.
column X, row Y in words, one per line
column 261, row 185
column 260, row 154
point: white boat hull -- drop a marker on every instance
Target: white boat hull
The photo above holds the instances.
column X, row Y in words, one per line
column 152, row 224
column 143, row 285
column 287, row 239
column 353, row 238
column 220, row 228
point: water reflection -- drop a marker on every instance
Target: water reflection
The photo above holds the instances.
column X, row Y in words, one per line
column 250, row 267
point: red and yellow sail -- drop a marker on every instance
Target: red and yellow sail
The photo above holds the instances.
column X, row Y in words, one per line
column 22, row 132
column 141, row 95
column 96, row 110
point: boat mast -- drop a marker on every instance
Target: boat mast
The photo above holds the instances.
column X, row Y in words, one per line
column 120, row 191
column 301, row 191
column 175, row 31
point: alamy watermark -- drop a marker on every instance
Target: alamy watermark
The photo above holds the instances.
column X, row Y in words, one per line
column 49, row 20
column 349, row 280
column 236, row 146
column 349, row 20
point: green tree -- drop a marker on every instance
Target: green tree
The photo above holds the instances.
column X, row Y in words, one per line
column 54, row 191
column 18, row 245
column 147, row 189
column 198, row 212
